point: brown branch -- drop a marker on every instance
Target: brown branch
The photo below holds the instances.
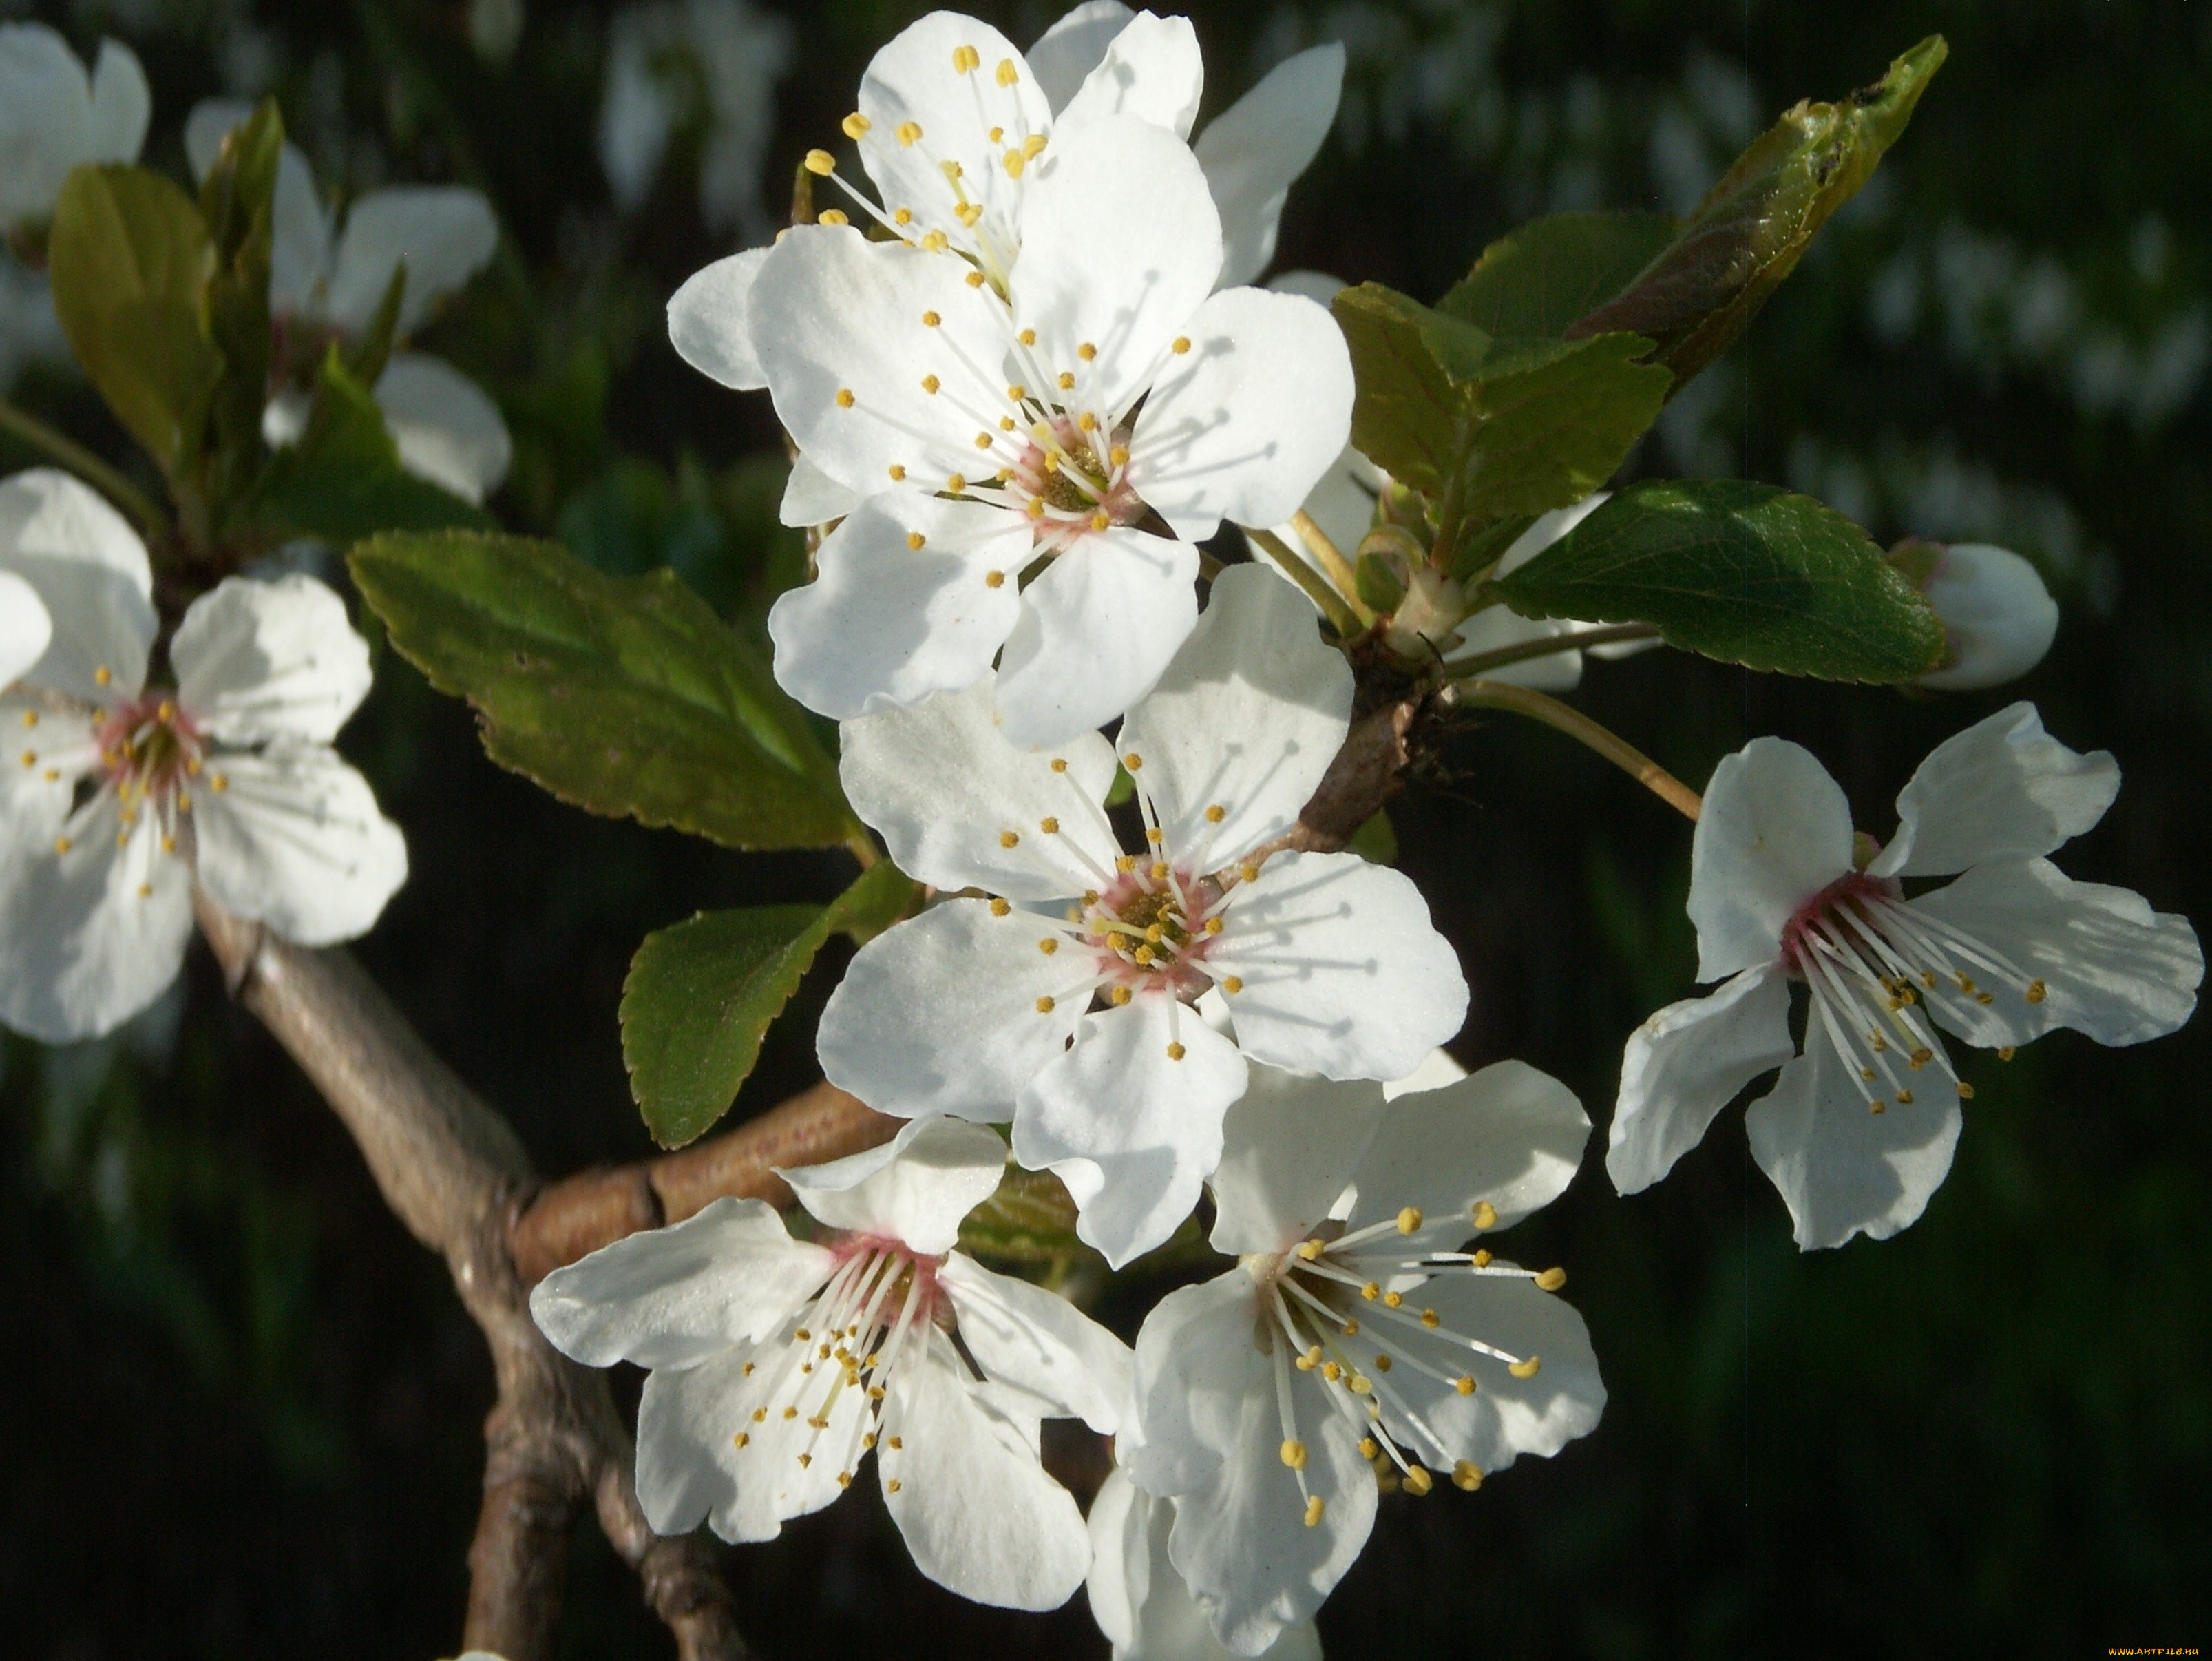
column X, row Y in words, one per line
column 454, row 1172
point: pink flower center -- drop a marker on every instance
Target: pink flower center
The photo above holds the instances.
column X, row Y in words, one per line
column 1070, row 481
column 148, row 748
column 1848, row 903
column 1151, row 930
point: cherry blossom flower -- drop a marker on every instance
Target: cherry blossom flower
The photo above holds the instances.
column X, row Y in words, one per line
column 120, row 795
column 54, row 117
column 1065, row 1003
column 1858, row 1131
column 1355, row 1337
column 778, row 1365
column 1999, row 618
column 325, row 284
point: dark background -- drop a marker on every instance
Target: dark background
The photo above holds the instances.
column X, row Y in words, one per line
column 241, row 1407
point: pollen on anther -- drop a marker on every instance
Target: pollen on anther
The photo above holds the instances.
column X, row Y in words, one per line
column 833, row 217
column 1175, row 1052
column 2037, row 992
column 1409, row 1219
column 1482, row 1259
column 1418, row 1481
column 1467, row 1476
column 1250, row 870
column 1066, row 381
column 1293, row 1453
column 930, row 319
column 965, row 58
column 1313, row 1509
column 1007, row 74
column 1048, row 945
column 1528, row 1369
column 1233, row 984
column 1393, row 1300
column 955, row 484
column 791, row 1412
column 1133, row 761
column 1000, row 908
column 1100, row 519
column 1965, row 1090
column 1049, row 826
column 1121, row 995
column 821, row 163
column 62, row 844
column 1009, row 839
column 995, row 579
column 102, row 675
column 1086, row 351
column 904, row 216
column 930, row 383
column 1485, row 1214
column 2006, row 1052
column 1552, row 1280
column 1060, row 764
column 855, row 125
column 1464, row 1384
column 897, row 473
column 1044, row 1005
column 30, row 718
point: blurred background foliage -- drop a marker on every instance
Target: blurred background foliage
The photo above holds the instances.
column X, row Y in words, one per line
column 242, row 1406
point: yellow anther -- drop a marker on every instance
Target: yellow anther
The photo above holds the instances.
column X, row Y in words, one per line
column 1360, row 1385
column 914, row 539
column 1293, row 1453
column 1877, row 1107
column 904, row 216
column 1007, row 73
column 1014, row 162
column 1351, row 1329
column 896, row 1444
column 1133, row 761
column 1086, row 351
column 1232, row 984
column 791, row 1412
column 62, row 844
column 1100, row 520
column 102, row 675
column 1044, row 1005
column 1119, row 455
column 930, row 319
column 1485, row 1214
column 965, row 58
column 1310, row 1251
column 897, row 473
column 832, row 216
column 982, row 440
column 1304, row 1363
column 930, row 383
column 1371, row 1291
column 1904, row 1099
column 1033, row 146
column 1000, row 908
column 933, row 242
column 1418, row 1481
column 803, row 1335
column 1144, row 955
column 1213, row 924
column 1028, row 336
column 1313, row 1509
column 1181, row 344
column 1865, row 1075
column 868, row 1440
column 1985, row 997
column 1087, row 422
column 974, row 279
column 1965, row 1090
column 1370, row 1448
column 1125, row 863
column 1467, row 1476
column 1552, row 1280
column 1330, row 1371
column 1528, row 1369
column 742, row 1437
column 30, row 718
column 166, row 713
column 1018, row 392
column 1006, row 425
column 1159, row 870
column 1066, row 381
column 1035, row 509
column 1048, row 945
column 1409, row 1219
column 30, row 758
column 145, row 891
column 1008, row 838
column 997, row 133
column 1464, row 1384
column 169, row 844
column 821, row 163
column 855, row 125
column 760, row 1415
column 844, row 1479
column 955, row 484
column 1121, row 996
column 1383, row 1364
column 1920, row 1057
column 2037, row 991
column 1393, row 1299
column 2006, row 1052
column 969, row 212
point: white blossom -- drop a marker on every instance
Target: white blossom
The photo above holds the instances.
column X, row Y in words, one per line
column 1064, row 1002
column 116, row 795
column 1998, row 618
column 1858, row 1131
column 326, row 282
column 1356, row 1336
column 54, row 117
column 778, row 1365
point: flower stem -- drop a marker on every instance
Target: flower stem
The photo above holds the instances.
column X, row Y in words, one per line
column 1497, row 695
column 88, row 466
column 1327, row 554
column 1482, row 663
column 1334, row 605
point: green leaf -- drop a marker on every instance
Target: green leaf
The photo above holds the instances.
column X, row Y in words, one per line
column 342, row 480
column 1407, row 414
column 623, row 696
column 1550, row 272
column 1745, row 573
column 701, row 996
column 1376, row 840
column 1029, row 1221
column 1748, row 234
column 129, row 255
column 235, row 200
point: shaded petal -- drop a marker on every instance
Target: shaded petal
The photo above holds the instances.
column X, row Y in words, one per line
column 39, row 781
column 1119, row 246
column 946, row 791
column 88, row 938
column 1095, row 631
column 913, row 1189
column 1254, row 150
column 2004, row 788
column 675, row 1296
column 24, row 627
column 886, row 624
column 832, row 312
column 1196, row 1361
column 1131, row 1129
column 2110, row 966
column 1038, row 1341
column 210, row 122
column 293, row 839
column 1686, row 1063
column 812, row 497
column 45, row 111
column 1509, row 1135
column 1065, row 53
column 445, row 233
column 1289, row 1147
column 1999, row 617
column 938, row 1014
column 1775, row 831
column 1843, row 1169
column 91, row 573
column 257, row 661
column 447, row 428
column 707, row 321
column 977, row 1512
column 1243, row 724
column 122, row 105
column 1247, row 421
column 1343, row 973
column 1151, row 70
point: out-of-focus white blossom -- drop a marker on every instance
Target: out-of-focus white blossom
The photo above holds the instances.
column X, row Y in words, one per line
column 55, row 118
column 1998, row 617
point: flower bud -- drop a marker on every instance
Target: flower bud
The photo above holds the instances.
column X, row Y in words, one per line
column 1999, row 618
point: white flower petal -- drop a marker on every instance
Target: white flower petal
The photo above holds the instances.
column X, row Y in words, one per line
column 447, row 427
column 1841, row 1169
column 2004, row 788
column 300, row 231
column 913, row 1189
column 446, row 233
column 1246, row 718
column 707, row 321
column 1038, row 1341
column 1195, row 1361
column 1343, row 973
column 1095, row 631
column 675, row 1296
column 293, row 839
column 1119, row 246
column 24, row 627
column 1999, row 617
column 938, row 1014
column 946, row 791
column 1253, row 150
column 38, row 779
column 1065, row 53
column 1505, row 1416
column 210, row 122
column 976, row 1510
column 831, row 312
column 91, row 573
column 885, row 624
column 122, row 105
column 1249, row 419
column 83, row 948
column 2112, row 968
column 257, row 661
column 1131, row 1129
column 1509, row 1135
column 45, row 113
column 1775, row 831
column 1290, row 1145
column 1686, row 1063
column 812, row 497
column 1151, row 70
